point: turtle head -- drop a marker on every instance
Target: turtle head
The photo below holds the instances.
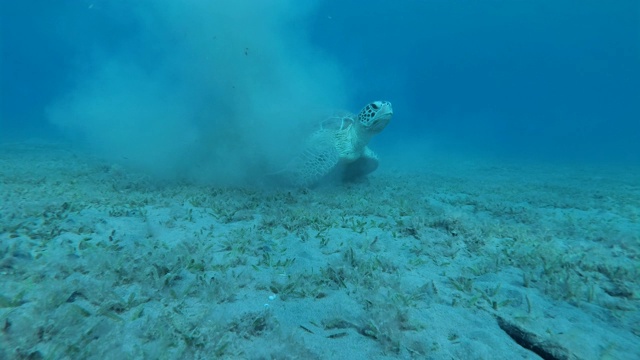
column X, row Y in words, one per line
column 375, row 116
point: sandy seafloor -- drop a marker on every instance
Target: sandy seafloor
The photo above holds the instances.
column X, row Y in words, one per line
column 452, row 261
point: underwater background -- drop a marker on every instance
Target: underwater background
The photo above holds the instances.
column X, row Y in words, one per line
column 544, row 80
column 139, row 141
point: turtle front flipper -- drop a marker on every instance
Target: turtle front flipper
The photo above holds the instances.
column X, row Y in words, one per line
column 361, row 167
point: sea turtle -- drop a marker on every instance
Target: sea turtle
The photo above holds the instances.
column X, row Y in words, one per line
column 338, row 150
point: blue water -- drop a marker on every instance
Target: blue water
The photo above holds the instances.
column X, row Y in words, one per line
column 536, row 80
column 223, row 92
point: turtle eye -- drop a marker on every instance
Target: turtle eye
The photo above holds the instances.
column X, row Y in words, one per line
column 375, row 106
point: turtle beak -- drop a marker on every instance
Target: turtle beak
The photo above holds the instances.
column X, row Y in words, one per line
column 383, row 114
column 385, row 109
column 381, row 121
